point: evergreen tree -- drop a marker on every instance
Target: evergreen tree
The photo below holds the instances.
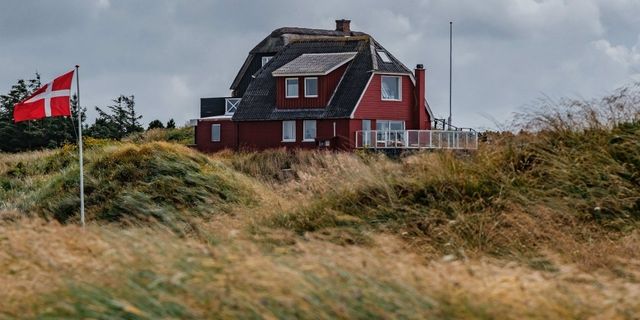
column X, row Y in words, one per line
column 155, row 124
column 119, row 121
column 171, row 124
column 32, row 135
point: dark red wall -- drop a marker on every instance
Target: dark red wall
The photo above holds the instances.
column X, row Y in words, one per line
column 228, row 138
column 372, row 107
column 258, row 135
column 326, row 86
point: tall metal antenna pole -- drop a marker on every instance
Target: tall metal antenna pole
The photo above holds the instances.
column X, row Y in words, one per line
column 450, row 68
column 80, row 149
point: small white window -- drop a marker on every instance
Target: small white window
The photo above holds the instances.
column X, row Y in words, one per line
column 309, row 128
column 215, row 132
column 231, row 105
column 291, row 88
column 384, row 56
column 288, row 131
column 310, row 87
column 391, row 88
column 265, row 60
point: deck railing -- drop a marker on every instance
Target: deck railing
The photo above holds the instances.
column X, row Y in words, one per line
column 417, row 139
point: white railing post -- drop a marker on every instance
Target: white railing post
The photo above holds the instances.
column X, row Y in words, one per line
column 431, row 140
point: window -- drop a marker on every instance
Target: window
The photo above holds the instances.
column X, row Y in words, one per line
column 309, row 128
column 366, row 133
column 389, row 125
column 384, row 56
column 390, row 132
column 215, row 132
column 288, row 131
column 391, row 87
column 310, row 87
column 291, row 89
column 265, row 60
column 231, row 105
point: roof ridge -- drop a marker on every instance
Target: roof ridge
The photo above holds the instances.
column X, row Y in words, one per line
column 303, row 30
column 332, row 39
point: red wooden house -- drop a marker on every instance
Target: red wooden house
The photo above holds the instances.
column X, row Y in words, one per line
column 310, row 88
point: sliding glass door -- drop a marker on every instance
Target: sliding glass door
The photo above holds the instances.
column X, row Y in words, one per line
column 390, row 133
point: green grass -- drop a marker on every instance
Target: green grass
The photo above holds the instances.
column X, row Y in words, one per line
column 128, row 184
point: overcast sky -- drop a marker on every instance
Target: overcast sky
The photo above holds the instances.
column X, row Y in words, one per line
column 170, row 53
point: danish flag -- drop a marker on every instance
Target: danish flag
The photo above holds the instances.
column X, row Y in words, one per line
column 51, row 100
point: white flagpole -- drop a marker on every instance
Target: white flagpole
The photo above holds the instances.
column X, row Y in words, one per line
column 80, row 148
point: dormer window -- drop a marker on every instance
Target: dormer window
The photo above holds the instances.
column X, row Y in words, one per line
column 265, row 60
column 291, row 88
column 391, row 88
column 384, row 56
column 311, row 87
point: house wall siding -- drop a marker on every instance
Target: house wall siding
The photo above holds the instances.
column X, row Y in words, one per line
column 372, row 107
column 326, row 86
column 259, row 135
column 228, row 138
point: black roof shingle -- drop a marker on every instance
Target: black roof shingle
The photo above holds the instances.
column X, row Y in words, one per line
column 259, row 100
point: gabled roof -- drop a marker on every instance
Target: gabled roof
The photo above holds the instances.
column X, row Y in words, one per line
column 259, row 100
column 314, row 64
column 281, row 37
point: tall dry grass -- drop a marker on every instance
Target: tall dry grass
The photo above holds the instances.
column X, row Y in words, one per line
column 538, row 224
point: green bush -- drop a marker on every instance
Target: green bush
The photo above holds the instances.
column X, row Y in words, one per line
column 142, row 183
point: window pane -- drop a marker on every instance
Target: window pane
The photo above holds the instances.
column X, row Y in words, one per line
column 311, row 87
column 215, row 132
column 383, row 55
column 366, row 135
column 288, row 130
column 292, row 88
column 390, row 88
column 396, row 125
column 265, row 60
column 309, row 130
column 366, row 124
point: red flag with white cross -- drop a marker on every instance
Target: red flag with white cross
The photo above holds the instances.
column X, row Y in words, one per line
column 51, row 100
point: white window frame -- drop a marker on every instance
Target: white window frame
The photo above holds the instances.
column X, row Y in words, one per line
column 284, row 123
column 286, row 88
column 213, row 138
column 399, row 80
column 304, row 130
column 266, row 60
column 231, row 105
column 306, row 95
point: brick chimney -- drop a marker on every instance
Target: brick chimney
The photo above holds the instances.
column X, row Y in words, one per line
column 343, row 25
column 422, row 119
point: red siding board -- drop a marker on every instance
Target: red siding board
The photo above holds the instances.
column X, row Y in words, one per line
column 228, row 138
column 326, row 86
column 372, row 106
column 259, row 135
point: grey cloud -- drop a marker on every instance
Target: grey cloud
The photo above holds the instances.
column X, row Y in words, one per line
column 171, row 53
